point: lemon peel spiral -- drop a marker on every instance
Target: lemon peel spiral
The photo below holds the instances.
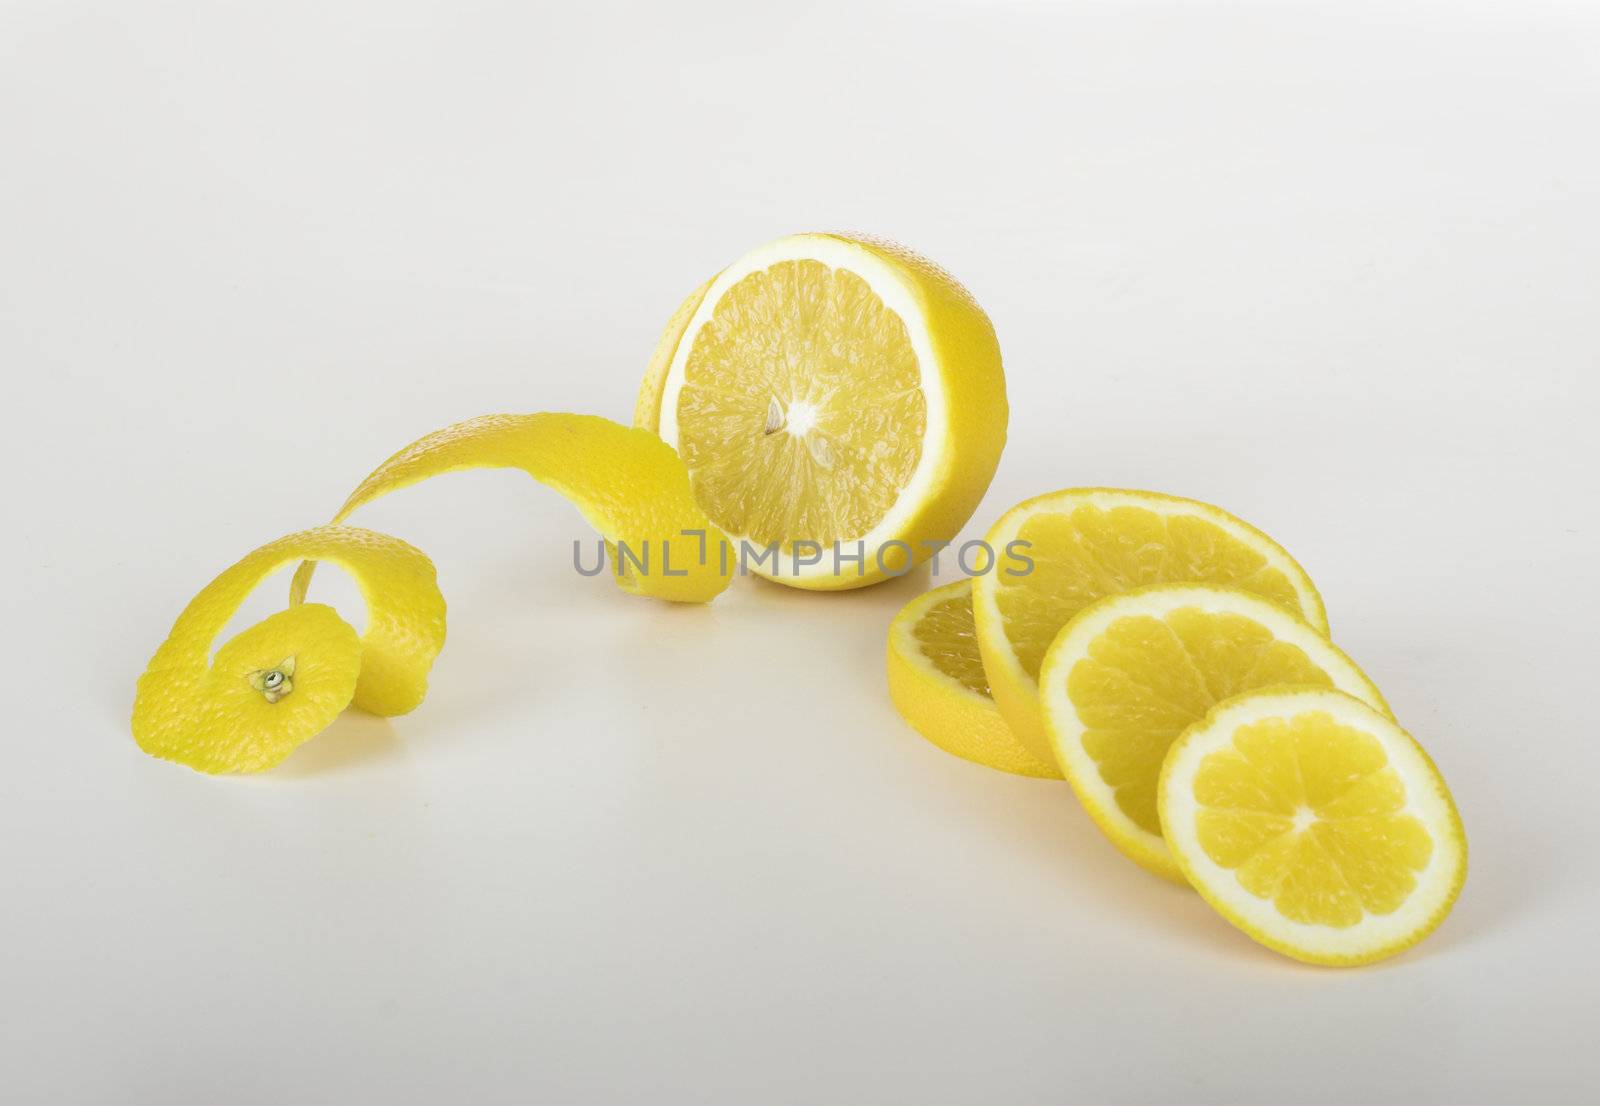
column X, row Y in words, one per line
column 626, row 482
column 279, row 683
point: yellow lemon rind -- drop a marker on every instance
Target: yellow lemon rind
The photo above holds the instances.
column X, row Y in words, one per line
column 1015, row 692
column 625, row 481
column 945, row 712
column 203, row 712
column 1427, row 796
column 1065, row 729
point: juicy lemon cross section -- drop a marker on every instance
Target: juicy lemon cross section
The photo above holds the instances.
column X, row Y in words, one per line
column 1308, row 813
column 834, row 391
column 1088, row 543
column 1315, row 824
column 813, row 357
column 282, row 681
column 1131, row 672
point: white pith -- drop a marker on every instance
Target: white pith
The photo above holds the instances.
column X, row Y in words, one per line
column 1425, row 801
column 898, row 294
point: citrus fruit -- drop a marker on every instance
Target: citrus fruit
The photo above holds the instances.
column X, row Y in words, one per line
column 838, row 401
column 1130, row 672
column 937, row 683
column 623, row 480
column 282, row 681
column 1085, row 543
column 1315, row 824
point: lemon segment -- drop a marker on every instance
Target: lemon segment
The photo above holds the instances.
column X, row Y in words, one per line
column 832, row 391
column 937, row 683
column 626, row 483
column 1132, row 671
column 1087, row 543
column 1314, row 824
column 282, row 681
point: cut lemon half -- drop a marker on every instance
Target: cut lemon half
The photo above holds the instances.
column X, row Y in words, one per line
column 1131, row 672
column 937, row 683
column 1315, row 824
column 837, row 400
column 1081, row 544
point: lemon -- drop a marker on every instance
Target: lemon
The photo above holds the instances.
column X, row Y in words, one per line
column 937, row 683
column 838, row 401
column 1085, row 543
column 1130, row 672
column 282, row 681
column 627, row 485
column 1315, row 824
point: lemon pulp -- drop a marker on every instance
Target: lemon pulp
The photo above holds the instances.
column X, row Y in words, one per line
column 946, row 636
column 1089, row 552
column 1147, row 678
column 801, row 413
column 1315, row 824
column 1308, row 813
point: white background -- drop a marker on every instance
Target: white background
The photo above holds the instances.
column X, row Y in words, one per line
column 1335, row 267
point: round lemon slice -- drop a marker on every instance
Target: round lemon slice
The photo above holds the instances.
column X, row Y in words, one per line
column 839, row 403
column 1131, row 672
column 1075, row 546
column 1315, row 824
column 937, row 683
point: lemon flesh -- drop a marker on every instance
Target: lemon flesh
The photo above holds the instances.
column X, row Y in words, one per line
column 832, row 393
column 813, row 357
column 937, row 683
column 1314, row 824
column 1133, row 671
column 1087, row 543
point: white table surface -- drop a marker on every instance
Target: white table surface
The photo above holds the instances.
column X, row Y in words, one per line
column 1331, row 266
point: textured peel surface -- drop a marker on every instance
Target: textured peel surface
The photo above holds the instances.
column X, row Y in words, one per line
column 626, row 482
column 214, row 716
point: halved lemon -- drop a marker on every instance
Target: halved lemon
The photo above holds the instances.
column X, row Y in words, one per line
column 937, row 683
column 1131, row 672
column 1315, row 824
column 1081, row 544
column 838, row 401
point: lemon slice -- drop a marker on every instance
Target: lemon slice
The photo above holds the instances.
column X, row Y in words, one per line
column 1315, row 824
column 1133, row 671
column 838, row 401
column 282, row 681
column 937, row 683
column 1086, row 543
column 624, row 481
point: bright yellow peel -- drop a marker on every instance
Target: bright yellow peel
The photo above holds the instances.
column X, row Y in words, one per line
column 626, row 482
column 231, row 715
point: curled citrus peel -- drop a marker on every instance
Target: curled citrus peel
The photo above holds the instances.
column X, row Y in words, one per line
column 627, row 483
column 281, row 682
